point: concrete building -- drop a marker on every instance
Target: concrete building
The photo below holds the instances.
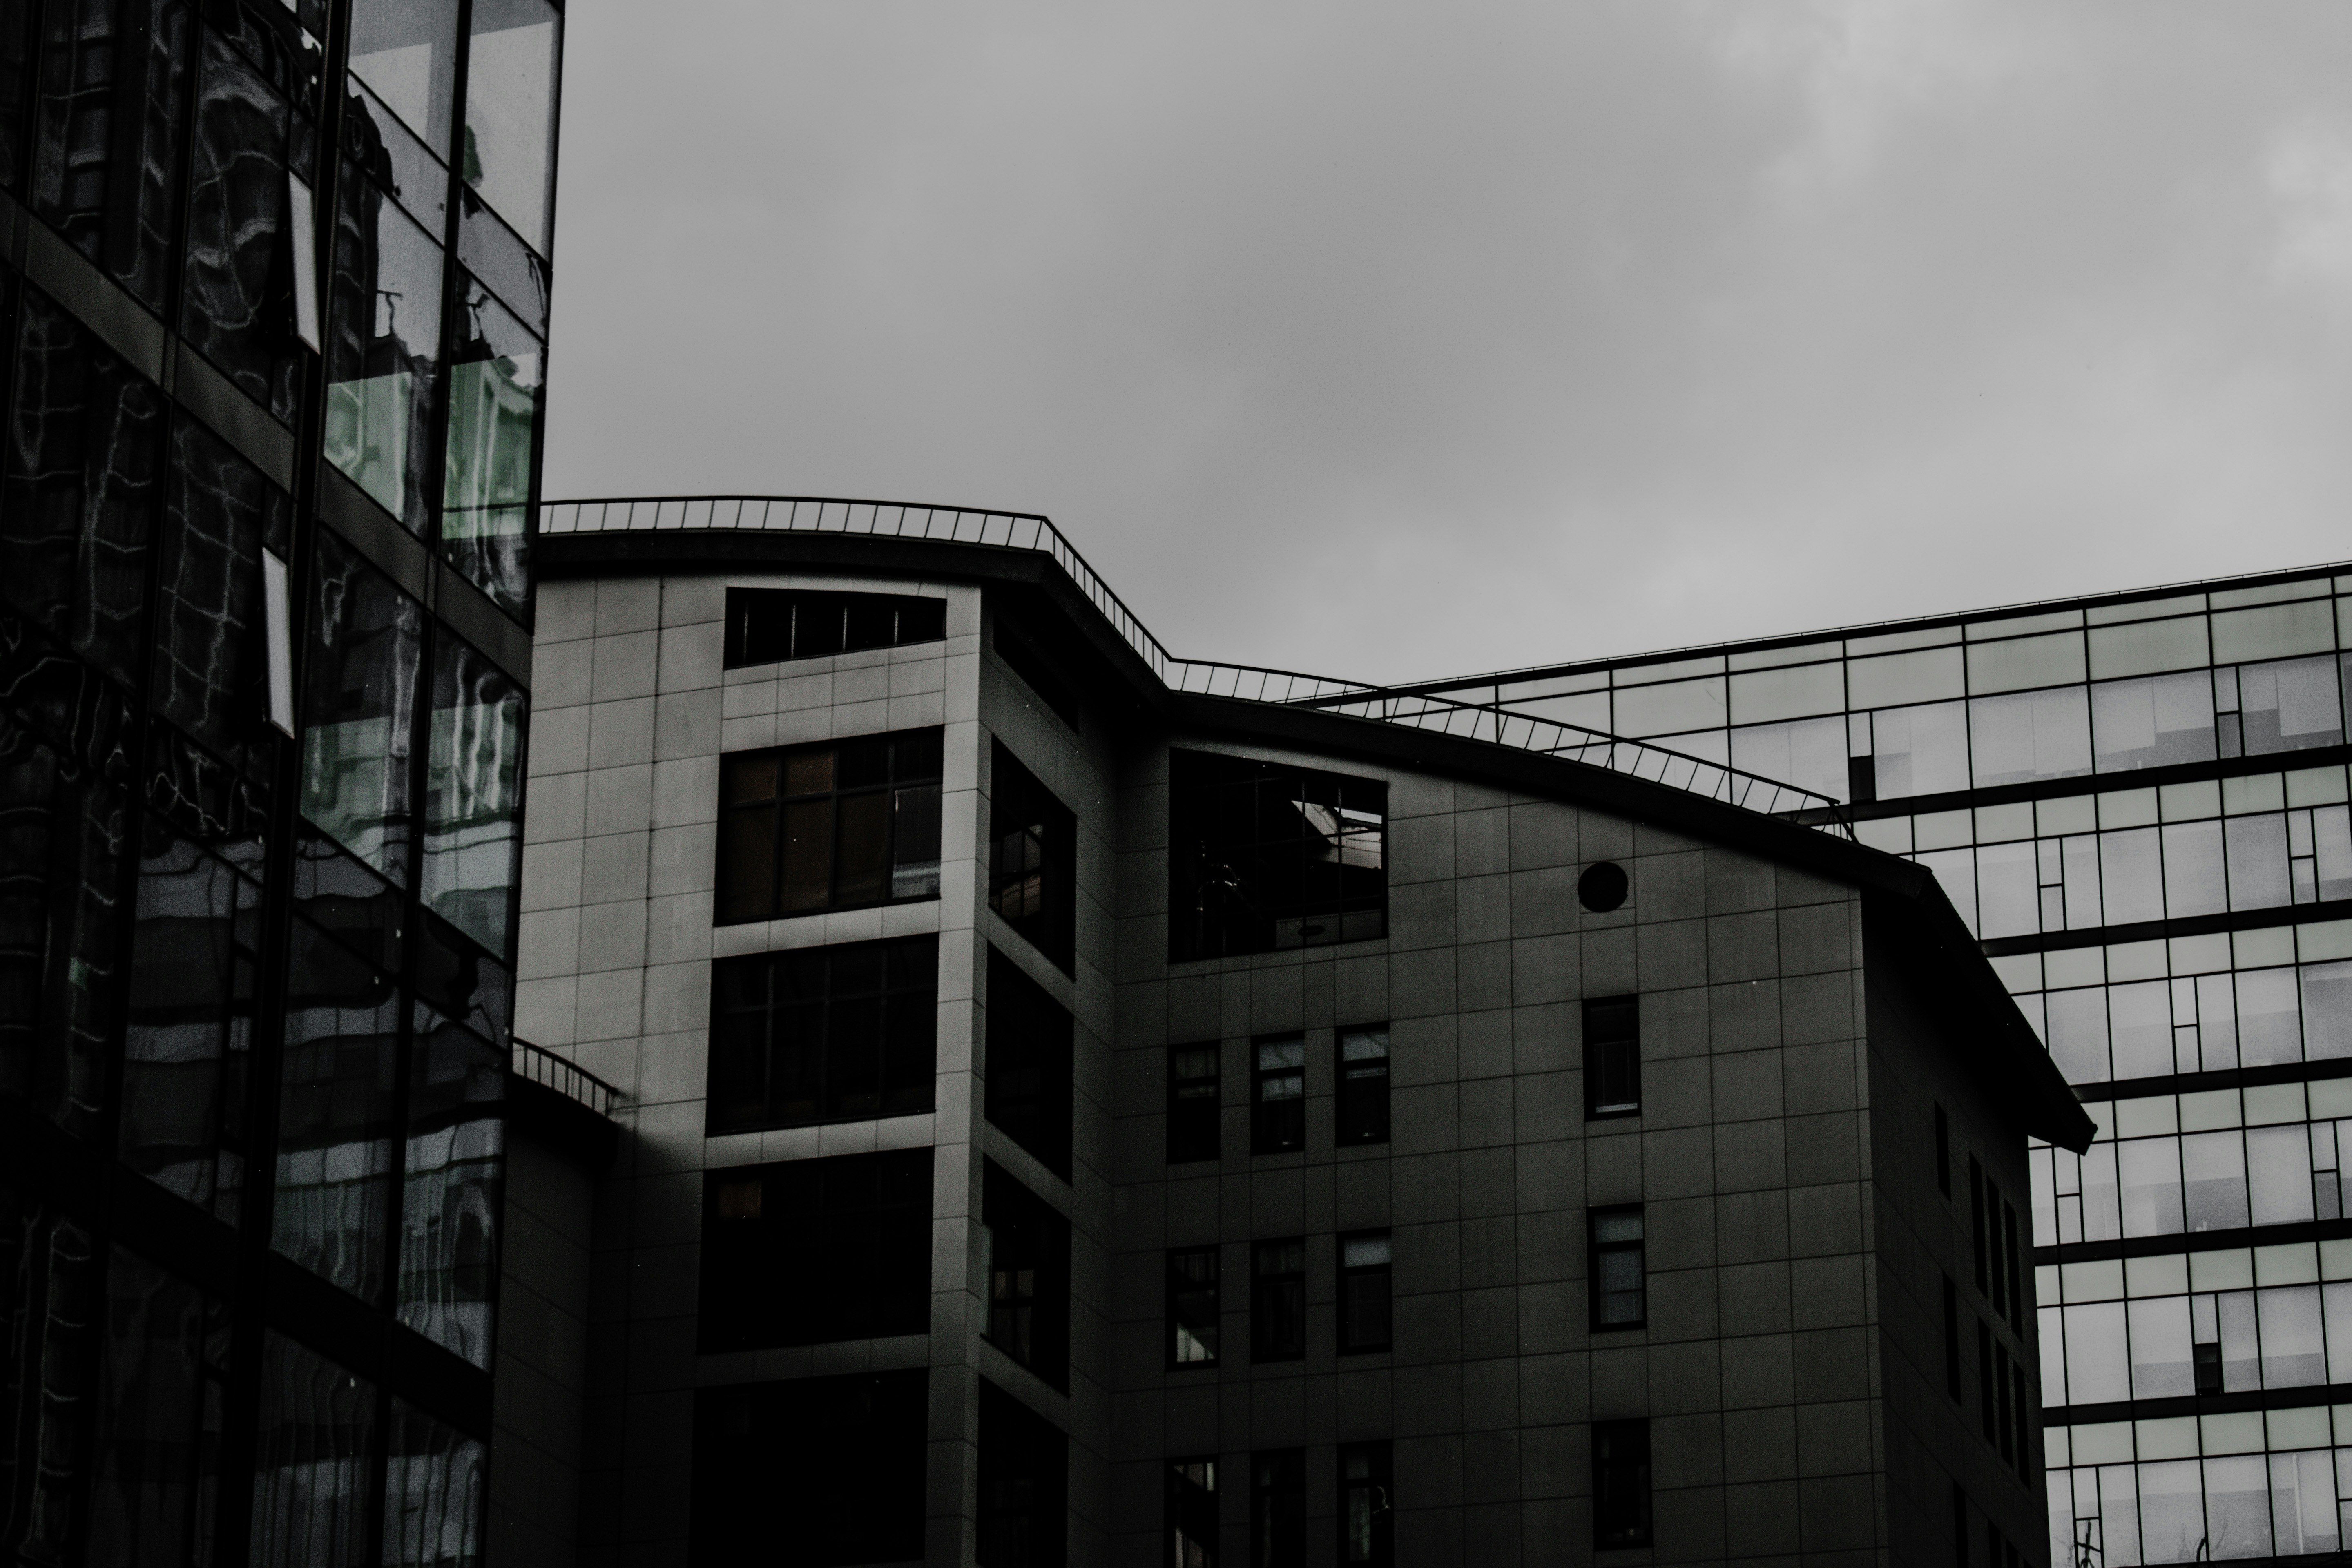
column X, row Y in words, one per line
column 1082, row 1106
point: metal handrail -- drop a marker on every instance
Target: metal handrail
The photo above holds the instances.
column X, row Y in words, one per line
column 1030, row 531
column 538, row 1065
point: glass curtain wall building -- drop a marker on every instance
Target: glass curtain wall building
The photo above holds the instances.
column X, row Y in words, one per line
column 2139, row 802
column 273, row 291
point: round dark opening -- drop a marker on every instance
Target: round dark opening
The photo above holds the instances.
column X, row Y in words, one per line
column 1603, row 887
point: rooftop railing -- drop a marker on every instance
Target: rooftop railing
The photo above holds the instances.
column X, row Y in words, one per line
column 543, row 1067
column 1028, row 531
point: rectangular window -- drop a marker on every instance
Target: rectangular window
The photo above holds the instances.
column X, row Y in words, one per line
column 1363, row 1108
column 2000, row 1393
column 1278, row 1509
column 1024, row 1484
column 1036, row 671
column 1033, row 880
column 1028, row 1274
column 1612, row 1057
column 1278, row 1300
column 1959, row 1526
column 814, row 1251
column 2008, row 1264
column 1278, row 1097
column 1192, row 1508
column 1951, row 1339
column 1028, row 1065
column 1989, row 1415
column 1976, row 1219
column 1367, row 1505
column 1997, row 1290
column 837, row 826
column 1364, row 1314
column 768, row 625
column 1614, row 1264
column 1943, row 1152
column 1192, row 1306
column 1263, row 856
column 1621, row 1484
column 835, row 1464
column 824, row 1034
column 1193, row 1109
column 2026, row 1417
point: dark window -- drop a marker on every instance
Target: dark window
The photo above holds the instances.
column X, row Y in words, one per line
column 1987, row 1394
column 1024, row 1484
column 106, row 169
column 2008, row 1264
column 1278, row 1509
column 2001, row 1393
column 767, row 625
column 1028, row 1276
column 1943, row 1152
column 1032, row 879
column 1363, row 1108
column 2026, row 1416
column 1620, row 1483
column 1603, row 887
column 1959, row 1526
column 1191, row 1506
column 1612, row 1057
column 1976, row 1219
column 838, row 826
column 1278, row 1095
column 1367, row 1505
column 1193, row 1108
column 1364, row 1315
column 1263, row 857
column 824, row 1034
column 1028, row 1065
column 1951, row 1338
column 1192, row 1307
column 1997, row 1290
column 1036, row 673
column 833, row 1463
column 809, row 1251
column 1278, row 1300
column 157, row 1413
column 1614, row 1264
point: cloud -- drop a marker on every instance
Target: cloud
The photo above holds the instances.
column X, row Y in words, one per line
column 2308, row 170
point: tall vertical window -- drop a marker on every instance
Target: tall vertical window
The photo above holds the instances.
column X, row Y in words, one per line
column 384, row 339
column 1615, row 1267
column 1263, row 856
column 1028, row 1065
column 811, row 1251
column 837, row 826
column 824, row 1034
column 833, row 1463
column 1363, row 1107
column 1278, row 1097
column 2009, row 1262
column 1943, row 1152
column 1951, row 1339
column 1031, row 859
column 1367, row 1505
column 1621, row 1484
column 1191, row 1292
column 1191, row 1506
column 497, row 374
column 1278, row 1300
column 1278, row 1509
column 768, row 625
column 473, row 794
column 1988, row 1392
column 512, row 70
column 1028, row 1276
column 1024, row 1477
column 358, row 706
column 310, row 1469
column 338, row 1115
column 1364, row 1312
column 1612, row 1057
column 1977, row 1220
column 1193, row 1108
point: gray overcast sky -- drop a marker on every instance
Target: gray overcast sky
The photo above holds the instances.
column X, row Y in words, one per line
column 1393, row 341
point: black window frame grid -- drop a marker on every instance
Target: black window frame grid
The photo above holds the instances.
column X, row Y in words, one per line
column 1277, row 1299
column 1193, row 1274
column 1278, row 1525
column 1195, row 1102
column 1623, row 1503
column 861, row 623
column 1600, row 1249
column 1366, row 1317
column 1190, row 1524
column 1279, row 1115
column 1029, row 1041
column 1033, row 848
column 867, row 1219
column 1266, row 857
column 1031, row 1326
column 894, row 780
column 1612, row 1057
column 755, row 996
column 1367, row 1499
column 1360, row 1105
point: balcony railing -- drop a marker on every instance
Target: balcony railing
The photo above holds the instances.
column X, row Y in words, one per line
column 543, row 1067
column 1027, row 530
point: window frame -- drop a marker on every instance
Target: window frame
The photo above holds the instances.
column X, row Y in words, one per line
column 921, row 1005
column 1597, row 1248
column 1176, row 1286
column 1010, row 1212
column 1347, row 1303
column 1277, row 1123
column 1015, row 793
column 911, row 615
column 884, row 1246
column 1378, row 1485
column 1277, row 1479
column 1277, row 1300
column 1361, row 1111
column 753, row 824
column 1184, row 1120
column 1629, row 1466
column 1611, row 1061
column 1267, row 858
column 1189, row 1510
column 1028, row 1032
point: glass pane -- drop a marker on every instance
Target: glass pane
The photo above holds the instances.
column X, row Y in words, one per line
column 2154, row 721
column 2290, row 706
column 383, row 342
column 336, row 1114
column 510, row 78
column 496, row 375
column 2159, row 1349
column 114, row 86
column 2096, row 1372
column 433, row 1494
column 450, row 1210
column 473, row 792
column 237, row 303
column 358, row 706
column 310, row 1471
column 158, row 1435
column 2256, row 850
column 377, row 141
column 2030, row 735
column 2193, row 880
column 407, row 50
column 1921, row 751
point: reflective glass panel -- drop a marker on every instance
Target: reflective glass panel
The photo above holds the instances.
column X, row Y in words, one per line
column 511, row 77
column 433, row 1488
column 310, row 1470
column 473, row 792
column 236, row 301
column 456, row 1135
column 2290, row 706
column 335, row 1112
column 106, row 172
column 2154, row 721
column 359, row 706
column 384, row 344
column 496, row 376
column 2030, row 735
column 157, row 1419
column 407, row 50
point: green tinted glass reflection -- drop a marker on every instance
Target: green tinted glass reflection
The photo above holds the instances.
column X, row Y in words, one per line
column 473, row 792
column 494, row 391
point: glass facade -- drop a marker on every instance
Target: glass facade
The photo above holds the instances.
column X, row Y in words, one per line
column 2139, row 804
column 274, row 284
